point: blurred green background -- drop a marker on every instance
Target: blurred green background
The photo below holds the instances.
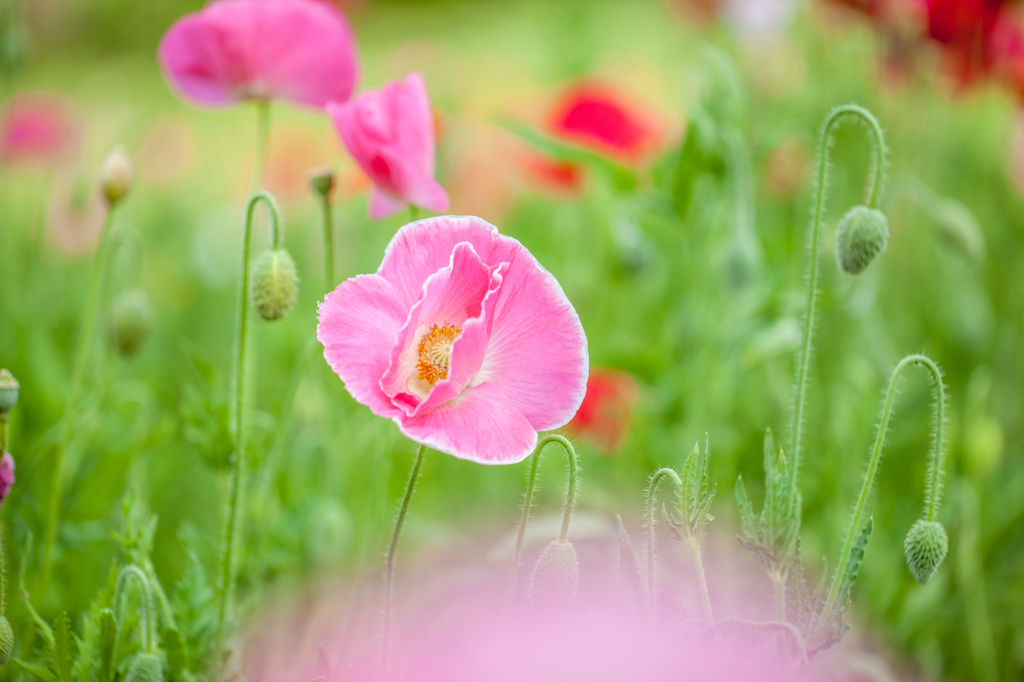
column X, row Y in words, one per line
column 699, row 303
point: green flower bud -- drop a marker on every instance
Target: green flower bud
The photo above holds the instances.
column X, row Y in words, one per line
column 6, row 641
column 556, row 578
column 322, row 181
column 145, row 668
column 116, row 175
column 9, row 388
column 131, row 320
column 925, row 547
column 862, row 235
column 275, row 286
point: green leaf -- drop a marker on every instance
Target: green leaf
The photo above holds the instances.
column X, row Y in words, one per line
column 177, row 655
column 852, row 568
column 39, row 671
column 63, row 647
column 747, row 521
column 107, row 645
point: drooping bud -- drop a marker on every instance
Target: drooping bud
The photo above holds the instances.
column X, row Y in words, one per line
column 925, row 547
column 131, row 320
column 6, row 476
column 116, row 175
column 145, row 668
column 555, row 579
column 275, row 285
column 9, row 388
column 6, row 641
column 322, row 181
column 862, row 235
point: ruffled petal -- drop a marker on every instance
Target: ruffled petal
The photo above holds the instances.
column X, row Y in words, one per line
column 480, row 425
column 358, row 324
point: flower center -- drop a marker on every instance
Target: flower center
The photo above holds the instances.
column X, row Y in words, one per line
column 435, row 352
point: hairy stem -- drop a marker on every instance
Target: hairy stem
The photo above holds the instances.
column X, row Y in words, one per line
column 389, row 571
column 328, row 244
column 652, row 491
column 702, row 582
column 779, row 583
column 874, row 194
column 85, row 344
column 531, row 483
column 936, row 458
column 148, row 626
column 226, row 584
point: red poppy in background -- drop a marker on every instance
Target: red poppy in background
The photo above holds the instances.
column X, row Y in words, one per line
column 606, row 410
column 602, row 119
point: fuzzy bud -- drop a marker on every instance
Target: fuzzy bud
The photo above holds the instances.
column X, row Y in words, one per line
column 862, row 235
column 6, row 641
column 321, row 181
column 275, row 285
column 145, row 668
column 9, row 388
column 555, row 579
column 116, row 175
column 925, row 547
column 131, row 320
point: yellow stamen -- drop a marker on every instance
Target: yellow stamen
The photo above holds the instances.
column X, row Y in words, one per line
column 435, row 352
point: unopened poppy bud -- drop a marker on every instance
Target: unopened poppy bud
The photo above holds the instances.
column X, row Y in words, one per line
column 131, row 320
column 925, row 547
column 6, row 641
column 145, row 668
column 9, row 388
column 862, row 235
column 116, row 175
column 6, row 476
column 275, row 285
column 322, row 181
column 556, row 578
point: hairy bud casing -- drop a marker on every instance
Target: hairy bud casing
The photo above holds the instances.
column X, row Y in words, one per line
column 9, row 388
column 131, row 320
column 556, row 578
column 145, row 668
column 925, row 546
column 275, row 286
column 116, row 175
column 862, row 234
column 6, row 641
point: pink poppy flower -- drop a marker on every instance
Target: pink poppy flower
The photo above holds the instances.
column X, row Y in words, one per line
column 298, row 50
column 6, row 476
column 461, row 338
column 390, row 134
column 37, row 128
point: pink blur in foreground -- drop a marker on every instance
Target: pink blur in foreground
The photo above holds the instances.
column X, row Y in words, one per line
column 390, row 134
column 302, row 51
column 461, row 338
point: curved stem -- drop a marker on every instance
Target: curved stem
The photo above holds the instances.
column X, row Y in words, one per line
column 936, row 461
column 652, row 490
column 874, row 194
column 85, row 344
column 389, row 572
column 570, row 502
column 328, row 244
column 226, row 583
column 148, row 629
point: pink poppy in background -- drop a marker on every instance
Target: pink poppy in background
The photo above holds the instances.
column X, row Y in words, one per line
column 390, row 134
column 6, row 476
column 604, row 415
column 598, row 117
column 461, row 338
column 37, row 128
column 302, row 51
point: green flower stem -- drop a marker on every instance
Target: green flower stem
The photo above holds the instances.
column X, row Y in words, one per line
column 148, row 626
column 85, row 345
column 328, row 244
column 3, row 574
column 702, row 582
column 874, row 194
column 389, row 572
column 414, row 213
column 226, row 584
column 3, row 433
column 262, row 142
column 652, row 491
column 935, row 467
column 531, row 484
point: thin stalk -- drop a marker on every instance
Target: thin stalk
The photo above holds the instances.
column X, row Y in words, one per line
column 874, row 194
column 934, row 490
column 328, row 244
column 779, row 583
column 389, row 572
column 148, row 631
column 262, row 142
column 85, row 344
column 226, row 584
column 702, row 582
column 3, row 574
column 3, row 433
column 414, row 213
column 652, row 490
column 570, row 503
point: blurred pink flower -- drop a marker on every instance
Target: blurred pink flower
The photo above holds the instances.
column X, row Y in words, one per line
column 298, row 50
column 37, row 128
column 75, row 212
column 6, row 476
column 390, row 134
column 461, row 338
column 606, row 410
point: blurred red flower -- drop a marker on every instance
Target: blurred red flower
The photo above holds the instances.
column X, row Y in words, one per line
column 37, row 129
column 606, row 410
column 598, row 117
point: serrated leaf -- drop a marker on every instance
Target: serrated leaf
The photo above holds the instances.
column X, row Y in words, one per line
column 852, row 568
column 63, row 647
column 107, row 645
column 39, row 671
column 747, row 520
column 177, row 655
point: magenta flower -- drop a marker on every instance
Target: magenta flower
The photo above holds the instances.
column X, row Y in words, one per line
column 390, row 134
column 297, row 50
column 6, row 476
column 461, row 338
